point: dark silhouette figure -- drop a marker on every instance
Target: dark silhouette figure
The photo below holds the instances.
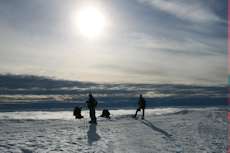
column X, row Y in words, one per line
column 77, row 113
column 92, row 134
column 105, row 113
column 141, row 105
column 92, row 104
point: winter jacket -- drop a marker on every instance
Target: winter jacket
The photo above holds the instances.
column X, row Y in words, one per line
column 91, row 103
column 141, row 103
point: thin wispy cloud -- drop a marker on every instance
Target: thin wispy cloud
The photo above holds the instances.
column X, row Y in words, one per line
column 193, row 11
column 190, row 44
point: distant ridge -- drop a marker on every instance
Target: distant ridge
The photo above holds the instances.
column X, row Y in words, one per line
column 23, row 87
column 14, row 81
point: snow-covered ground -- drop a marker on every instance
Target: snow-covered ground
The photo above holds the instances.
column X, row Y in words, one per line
column 168, row 130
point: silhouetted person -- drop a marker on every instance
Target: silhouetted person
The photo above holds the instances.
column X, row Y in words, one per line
column 92, row 104
column 105, row 113
column 141, row 105
column 77, row 113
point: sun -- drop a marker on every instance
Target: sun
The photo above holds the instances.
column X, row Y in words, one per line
column 91, row 22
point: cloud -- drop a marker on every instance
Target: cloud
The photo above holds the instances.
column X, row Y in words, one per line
column 180, row 43
column 192, row 11
column 189, row 59
column 142, row 46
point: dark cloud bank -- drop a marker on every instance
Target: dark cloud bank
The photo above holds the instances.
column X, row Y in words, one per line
column 28, row 92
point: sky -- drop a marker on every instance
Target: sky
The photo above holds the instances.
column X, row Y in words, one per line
column 143, row 41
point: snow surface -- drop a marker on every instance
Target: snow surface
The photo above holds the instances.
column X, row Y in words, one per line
column 169, row 130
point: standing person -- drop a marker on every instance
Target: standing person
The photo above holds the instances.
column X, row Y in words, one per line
column 91, row 104
column 141, row 105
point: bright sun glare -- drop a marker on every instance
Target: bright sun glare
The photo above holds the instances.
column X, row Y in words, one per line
column 91, row 22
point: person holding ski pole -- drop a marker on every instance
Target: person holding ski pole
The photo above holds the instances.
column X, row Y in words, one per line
column 92, row 104
column 141, row 105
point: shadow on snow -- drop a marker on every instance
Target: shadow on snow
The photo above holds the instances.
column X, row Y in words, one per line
column 92, row 134
column 153, row 127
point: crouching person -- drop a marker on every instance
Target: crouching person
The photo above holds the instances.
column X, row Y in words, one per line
column 105, row 113
column 77, row 113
